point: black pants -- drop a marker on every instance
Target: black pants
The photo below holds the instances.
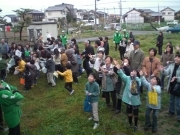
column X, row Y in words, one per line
column 1, row 117
column 15, row 130
column 122, row 51
column 75, row 77
column 160, row 50
column 68, row 86
column 59, row 68
column 3, row 74
column 113, row 98
column 118, row 107
column 87, row 67
column 116, row 45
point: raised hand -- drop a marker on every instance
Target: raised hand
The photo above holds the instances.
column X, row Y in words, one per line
column 141, row 73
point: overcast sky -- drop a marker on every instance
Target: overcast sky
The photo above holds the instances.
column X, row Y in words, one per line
column 110, row 6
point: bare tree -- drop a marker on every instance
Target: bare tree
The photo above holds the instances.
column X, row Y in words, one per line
column 24, row 19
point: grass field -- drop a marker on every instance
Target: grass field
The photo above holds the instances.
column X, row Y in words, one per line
column 52, row 111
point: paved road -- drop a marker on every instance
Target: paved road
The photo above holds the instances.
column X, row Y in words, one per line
column 134, row 32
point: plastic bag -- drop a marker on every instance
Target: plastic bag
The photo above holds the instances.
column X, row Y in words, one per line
column 22, row 81
column 44, row 70
column 16, row 72
column 153, row 98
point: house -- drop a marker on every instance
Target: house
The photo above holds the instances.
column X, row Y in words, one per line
column 168, row 14
column 60, row 11
column 80, row 13
column 133, row 16
column 141, row 16
column 35, row 16
column 13, row 19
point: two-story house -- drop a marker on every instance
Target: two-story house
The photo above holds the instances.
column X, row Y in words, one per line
column 168, row 14
column 34, row 15
column 177, row 15
column 141, row 16
column 60, row 11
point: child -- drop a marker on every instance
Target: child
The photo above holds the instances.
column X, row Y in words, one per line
column 131, row 94
column 9, row 98
column 50, row 65
column 68, row 78
column 28, row 78
column 153, row 85
column 92, row 90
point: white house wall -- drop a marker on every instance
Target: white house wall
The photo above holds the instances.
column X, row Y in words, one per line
column 134, row 17
column 8, row 19
column 50, row 28
column 54, row 14
column 168, row 14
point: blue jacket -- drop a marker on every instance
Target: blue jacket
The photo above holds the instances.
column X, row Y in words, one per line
column 147, row 85
column 127, row 97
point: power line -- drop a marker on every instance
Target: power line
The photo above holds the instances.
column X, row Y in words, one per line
column 128, row 2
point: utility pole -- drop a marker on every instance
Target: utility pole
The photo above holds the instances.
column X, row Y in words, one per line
column 104, row 18
column 120, row 7
column 95, row 17
column 159, row 20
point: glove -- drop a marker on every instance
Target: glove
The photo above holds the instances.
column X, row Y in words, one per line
column 87, row 93
column 14, row 91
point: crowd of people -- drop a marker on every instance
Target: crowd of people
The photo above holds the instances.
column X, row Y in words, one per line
column 123, row 81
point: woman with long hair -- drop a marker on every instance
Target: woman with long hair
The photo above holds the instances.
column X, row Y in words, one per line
column 166, row 59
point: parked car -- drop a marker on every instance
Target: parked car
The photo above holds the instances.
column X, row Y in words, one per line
column 165, row 28
column 173, row 22
column 107, row 27
column 118, row 28
column 174, row 29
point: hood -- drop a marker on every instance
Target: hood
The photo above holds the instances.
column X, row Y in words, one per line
column 69, row 52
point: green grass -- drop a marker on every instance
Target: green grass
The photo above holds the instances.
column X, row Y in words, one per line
column 52, row 111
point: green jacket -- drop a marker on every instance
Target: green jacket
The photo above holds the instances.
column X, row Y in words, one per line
column 64, row 39
column 126, row 36
column 117, row 37
column 3, row 64
column 93, row 88
column 9, row 103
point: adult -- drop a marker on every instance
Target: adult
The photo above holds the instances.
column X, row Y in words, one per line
column 117, row 39
column 131, row 36
column 166, row 59
column 88, row 50
column 108, row 81
column 125, row 34
column 136, row 56
column 151, row 64
column 12, row 49
column 74, row 43
column 4, row 48
column 160, row 42
column 122, row 48
column 106, row 46
column 129, row 48
column 136, row 59
column 173, row 86
column 27, row 50
column 9, row 98
column 64, row 39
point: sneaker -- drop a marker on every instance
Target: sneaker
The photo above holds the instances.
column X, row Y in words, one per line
column 146, row 127
column 154, row 130
column 169, row 114
column 135, row 128
column 95, row 125
column 72, row 92
column 90, row 118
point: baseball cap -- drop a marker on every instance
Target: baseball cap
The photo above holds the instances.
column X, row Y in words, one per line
column 136, row 42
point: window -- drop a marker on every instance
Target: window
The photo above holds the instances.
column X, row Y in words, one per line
column 169, row 13
column 163, row 13
column 49, row 13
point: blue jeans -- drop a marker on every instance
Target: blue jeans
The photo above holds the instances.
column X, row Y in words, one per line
column 174, row 100
column 162, row 81
column 154, row 115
